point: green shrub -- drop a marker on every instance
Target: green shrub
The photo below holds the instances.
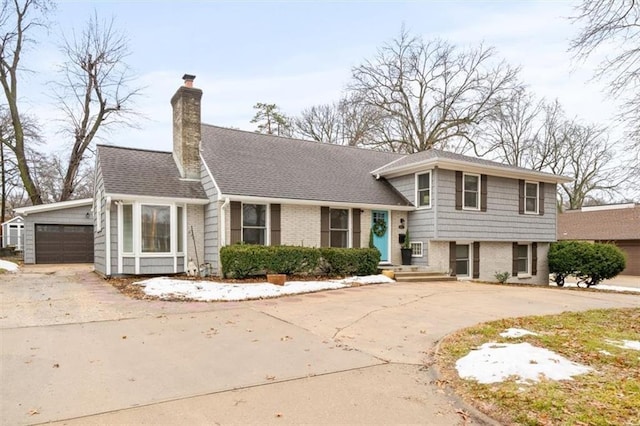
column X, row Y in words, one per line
column 502, row 277
column 590, row 263
column 243, row 260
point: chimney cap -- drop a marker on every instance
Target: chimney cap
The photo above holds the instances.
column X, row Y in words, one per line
column 188, row 77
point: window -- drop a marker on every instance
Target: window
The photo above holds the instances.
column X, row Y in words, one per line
column 127, row 228
column 531, row 197
column 180, row 224
column 471, row 191
column 254, row 223
column 339, row 228
column 462, row 260
column 423, row 190
column 416, row 249
column 522, row 259
column 156, row 229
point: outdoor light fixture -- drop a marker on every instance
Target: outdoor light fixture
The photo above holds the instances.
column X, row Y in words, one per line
column 401, row 224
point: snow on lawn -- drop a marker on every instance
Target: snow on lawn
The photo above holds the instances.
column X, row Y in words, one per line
column 517, row 332
column 9, row 266
column 625, row 344
column 167, row 288
column 603, row 287
column 495, row 362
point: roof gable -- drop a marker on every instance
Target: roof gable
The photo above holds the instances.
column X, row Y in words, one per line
column 257, row 165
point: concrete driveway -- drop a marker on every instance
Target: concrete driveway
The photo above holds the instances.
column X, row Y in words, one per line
column 76, row 351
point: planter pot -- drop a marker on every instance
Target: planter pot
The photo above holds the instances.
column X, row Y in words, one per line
column 277, row 279
column 406, row 255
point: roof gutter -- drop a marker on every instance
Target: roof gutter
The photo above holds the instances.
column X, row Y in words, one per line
column 337, row 204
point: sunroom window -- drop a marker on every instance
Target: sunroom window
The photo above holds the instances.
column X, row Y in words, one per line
column 156, row 229
column 127, row 228
column 254, row 223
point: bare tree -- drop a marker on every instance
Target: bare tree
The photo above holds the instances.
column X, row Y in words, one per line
column 614, row 27
column 94, row 91
column 431, row 91
column 271, row 120
column 17, row 20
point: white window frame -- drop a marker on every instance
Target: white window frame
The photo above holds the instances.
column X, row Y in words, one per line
column 349, row 226
column 121, row 229
column 417, row 248
column 526, row 273
column 464, row 192
column 418, row 190
column 267, row 221
column 537, row 197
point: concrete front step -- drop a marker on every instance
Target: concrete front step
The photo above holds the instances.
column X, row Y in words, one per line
column 423, row 278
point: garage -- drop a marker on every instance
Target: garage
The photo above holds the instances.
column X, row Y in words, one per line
column 632, row 250
column 64, row 243
column 59, row 232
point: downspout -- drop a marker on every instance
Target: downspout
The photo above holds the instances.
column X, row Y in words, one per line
column 434, row 202
column 107, row 237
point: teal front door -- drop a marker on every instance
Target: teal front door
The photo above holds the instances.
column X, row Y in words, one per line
column 380, row 229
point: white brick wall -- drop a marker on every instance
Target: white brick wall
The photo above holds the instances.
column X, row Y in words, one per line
column 497, row 257
column 365, row 228
column 195, row 219
column 438, row 253
column 394, row 231
column 300, row 225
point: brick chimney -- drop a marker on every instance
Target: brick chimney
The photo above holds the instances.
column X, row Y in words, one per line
column 186, row 128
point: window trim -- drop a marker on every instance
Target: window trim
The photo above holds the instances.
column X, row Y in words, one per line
column 417, row 190
column 267, row 223
column 121, row 228
column 478, row 192
column 414, row 245
column 537, row 197
column 349, row 226
column 469, row 258
column 172, row 226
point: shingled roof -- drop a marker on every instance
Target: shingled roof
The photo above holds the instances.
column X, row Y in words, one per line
column 600, row 225
column 409, row 161
column 251, row 164
column 143, row 172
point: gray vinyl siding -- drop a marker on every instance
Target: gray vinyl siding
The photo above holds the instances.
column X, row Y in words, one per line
column 156, row 265
column 501, row 221
column 70, row 216
column 99, row 242
column 420, row 221
column 128, row 265
column 211, row 211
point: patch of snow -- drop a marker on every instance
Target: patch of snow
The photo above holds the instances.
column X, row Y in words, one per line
column 495, row 362
column 368, row 279
column 625, row 344
column 166, row 288
column 603, row 352
column 604, row 287
column 9, row 266
column 517, row 332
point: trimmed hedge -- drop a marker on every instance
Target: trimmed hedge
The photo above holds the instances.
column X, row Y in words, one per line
column 591, row 263
column 243, row 260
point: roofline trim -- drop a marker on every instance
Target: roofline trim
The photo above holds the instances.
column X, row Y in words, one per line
column 12, row 219
column 151, row 198
column 273, row 200
column 206, row 167
column 25, row 211
column 497, row 170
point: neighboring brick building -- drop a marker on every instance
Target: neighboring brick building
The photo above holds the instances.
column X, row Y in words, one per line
column 617, row 223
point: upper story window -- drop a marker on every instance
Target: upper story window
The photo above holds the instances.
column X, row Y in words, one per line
column 156, row 229
column 254, row 223
column 531, row 197
column 471, row 191
column 423, row 190
column 339, row 228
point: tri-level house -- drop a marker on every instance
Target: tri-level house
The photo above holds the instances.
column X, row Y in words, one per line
column 154, row 211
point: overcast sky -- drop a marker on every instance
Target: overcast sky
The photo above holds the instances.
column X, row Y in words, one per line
column 299, row 54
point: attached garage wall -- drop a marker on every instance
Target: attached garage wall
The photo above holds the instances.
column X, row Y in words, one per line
column 71, row 216
column 632, row 250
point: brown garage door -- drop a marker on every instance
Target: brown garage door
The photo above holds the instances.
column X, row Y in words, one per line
column 64, row 244
column 632, row 249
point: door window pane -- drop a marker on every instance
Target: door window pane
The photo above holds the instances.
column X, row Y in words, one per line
column 156, row 229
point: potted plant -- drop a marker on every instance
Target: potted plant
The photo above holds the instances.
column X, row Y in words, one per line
column 405, row 249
